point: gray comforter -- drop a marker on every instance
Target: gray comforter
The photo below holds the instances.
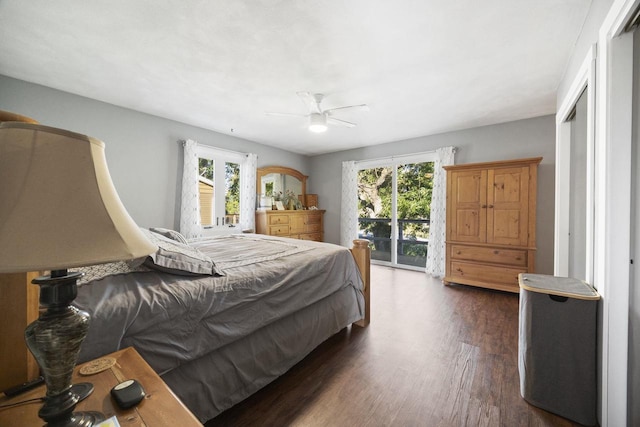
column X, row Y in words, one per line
column 173, row 319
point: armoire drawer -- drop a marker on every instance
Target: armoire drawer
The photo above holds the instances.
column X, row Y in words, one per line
column 485, row 273
column 513, row 257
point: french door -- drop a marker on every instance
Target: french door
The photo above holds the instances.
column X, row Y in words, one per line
column 394, row 200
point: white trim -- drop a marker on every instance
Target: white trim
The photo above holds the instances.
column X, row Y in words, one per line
column 613, row 214
column 210, row 152
column 585, row 79
column 620, row 14
column 394, row 214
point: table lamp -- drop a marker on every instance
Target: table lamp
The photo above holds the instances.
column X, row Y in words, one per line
column 58, row 210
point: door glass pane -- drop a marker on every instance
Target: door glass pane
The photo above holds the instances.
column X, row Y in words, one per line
column 205, row 190
column 232, row 193
column 374, row 210
column 415, row 183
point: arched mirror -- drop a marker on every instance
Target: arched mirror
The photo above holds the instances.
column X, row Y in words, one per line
column 279, row 180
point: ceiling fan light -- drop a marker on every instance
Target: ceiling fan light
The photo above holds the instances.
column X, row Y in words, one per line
column 317, row 123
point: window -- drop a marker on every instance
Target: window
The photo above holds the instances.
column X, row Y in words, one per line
column 219, row 187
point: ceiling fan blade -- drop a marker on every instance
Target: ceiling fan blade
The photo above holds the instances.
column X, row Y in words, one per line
column 334, row 121
column 362, row 107
column 273, row 113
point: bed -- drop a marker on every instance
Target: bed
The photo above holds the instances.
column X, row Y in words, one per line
column 220, row 318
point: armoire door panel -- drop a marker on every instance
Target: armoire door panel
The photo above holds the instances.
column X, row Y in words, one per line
column 470, row 187
column 468, row 196
column 506, row 185
column 507, row 225
column 507, row 203
column 468, row 224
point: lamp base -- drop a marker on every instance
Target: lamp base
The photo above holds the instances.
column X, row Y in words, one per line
column 82, row 390
column 79, row 419
column 54, row 339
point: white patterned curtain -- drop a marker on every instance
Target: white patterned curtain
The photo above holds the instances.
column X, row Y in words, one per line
column 349, row 210
column 248, row 192
column 189, row 208
column 438, row 228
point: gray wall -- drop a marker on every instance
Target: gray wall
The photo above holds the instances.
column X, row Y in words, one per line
column 588, row 37
column 143, row 152
column 520, row 139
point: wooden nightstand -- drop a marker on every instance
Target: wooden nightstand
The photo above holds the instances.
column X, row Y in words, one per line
column 160, row 407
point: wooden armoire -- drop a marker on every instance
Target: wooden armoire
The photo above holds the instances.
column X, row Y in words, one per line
column 491, row 223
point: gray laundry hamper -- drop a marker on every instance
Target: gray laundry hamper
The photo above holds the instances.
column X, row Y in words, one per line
column 557, row 346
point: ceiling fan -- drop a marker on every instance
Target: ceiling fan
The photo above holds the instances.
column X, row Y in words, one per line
column 319, row 118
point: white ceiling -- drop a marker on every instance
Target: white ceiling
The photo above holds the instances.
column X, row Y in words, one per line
column 422, row 66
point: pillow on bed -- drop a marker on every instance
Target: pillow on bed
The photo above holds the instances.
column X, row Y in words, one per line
column 171, row 234
column 177, row 258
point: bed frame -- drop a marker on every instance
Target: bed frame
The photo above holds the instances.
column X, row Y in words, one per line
column 362, row 254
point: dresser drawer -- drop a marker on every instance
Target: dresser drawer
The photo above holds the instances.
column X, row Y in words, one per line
column 312, row 228
column 483, row 273
column 296, row 223
column 311, row 236
column 279, row 230
column 314, row 219
column 278, row 219
column 514, row 257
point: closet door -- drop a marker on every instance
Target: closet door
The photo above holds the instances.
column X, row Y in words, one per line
column 507, row 206
column 467, row 218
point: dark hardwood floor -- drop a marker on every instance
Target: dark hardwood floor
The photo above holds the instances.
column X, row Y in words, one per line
column 433, row 355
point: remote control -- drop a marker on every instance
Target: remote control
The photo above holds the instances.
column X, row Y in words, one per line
column 128, row 393
column 13, row 391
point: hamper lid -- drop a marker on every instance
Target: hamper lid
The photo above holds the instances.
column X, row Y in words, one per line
column 561, row 286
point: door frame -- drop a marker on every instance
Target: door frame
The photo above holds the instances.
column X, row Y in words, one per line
column 613, row 212
column 585, row 80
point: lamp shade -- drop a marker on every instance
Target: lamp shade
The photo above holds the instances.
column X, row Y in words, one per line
column 58, row 206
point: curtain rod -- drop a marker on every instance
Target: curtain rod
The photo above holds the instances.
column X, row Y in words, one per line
column 398, row 157
column 184, row 142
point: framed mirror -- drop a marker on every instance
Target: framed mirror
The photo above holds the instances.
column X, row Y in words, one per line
column 273, row 180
